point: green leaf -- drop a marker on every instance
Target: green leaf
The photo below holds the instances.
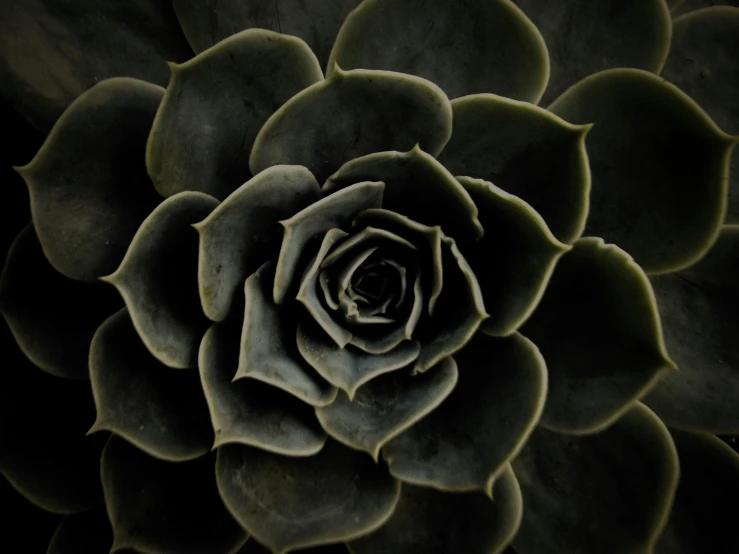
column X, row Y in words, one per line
column 51, row 51
column 514, row 259
column 243, row 232
column 247, row 411
column 287, row 503
column 518, row 147
column 435, row 522
column 157, row 506
column 587, row 36
column 158, row 279
column 268, row 349
column 464, row 46
column 51, row 316
column 598, row 329
column 386, row 406
column 465, row 444
column 659, row 166
column 88, row 185
column 706, row 506
column 88, row 532
column 609, row 492
column 681, row 7
column 215, row 105
column 159, row 409
column 699, row 308
column 352, row 114
column 702, row 63
column 409, row 176
column 315, row 22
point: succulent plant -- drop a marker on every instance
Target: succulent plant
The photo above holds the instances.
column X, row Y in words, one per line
column 391, row 276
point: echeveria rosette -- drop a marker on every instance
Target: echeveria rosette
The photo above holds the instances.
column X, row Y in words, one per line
column 370, row 295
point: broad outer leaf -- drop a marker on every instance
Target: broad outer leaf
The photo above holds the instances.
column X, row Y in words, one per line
column 598, row 329
column 159, row 409
column 352, row 114
column 608, row 492
column 427, row 521
column 88, row 184
column 465, row 444
column 158, row 279
column 243, row 232
column 215, row 105
column 681, row 7
column 157, row 506
column 699, row 308
column 51, row 316
column 464, row 46
column 659, row 164
column 287, row 503
column 84, row 533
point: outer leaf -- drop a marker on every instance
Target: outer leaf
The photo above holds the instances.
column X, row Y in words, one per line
column 352, row 114
column 88, row 186
column 433, row 522
column 464, row 46
column 200, row 143
column 681, row 7
column 84, row 533
column 598, row 328
column 250, row 412
column 51, row 316
column 51, row 51
column 699, row 308
column 658, row 162
column 158, row 279
column 465, row 444
column 287, row 503
column 386, row 406
column 620, row 481
column 515, row 258
column 706, row 505
column 587, row 36
column 253, row 547
column 268, row 351
column 157, row 506
column 159, row 409
column 19, row 515
column 702, row 63
column 242, row 233
column 526, row 151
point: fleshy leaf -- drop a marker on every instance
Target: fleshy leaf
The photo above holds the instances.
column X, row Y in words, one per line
column 253, row 547
column 159, row 409
column 514, row 260
column 287, row 503
column 157, row 506
column 386, row 406
column 464, row 46
column 659, row 167
column 317, row 23
column 349, row 368
column 587, row 36
column 250, row 412
column 409, row 176
column 197, row 143
column 88, row 185
column 706, row 507
column 699, row 308
column 465, row 444
column 620, row 481
column 435, row 522
column 243, row 232
column 336, row 210
column 85, row 533
column 51, row 51
column 158, row 279
column 51, row 316
column 352, row 114
column 681, row 7
column 599, row 304
column 703, row 64
column 268, row 350
column 526, row 151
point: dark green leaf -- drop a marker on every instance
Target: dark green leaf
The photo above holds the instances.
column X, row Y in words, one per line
column 84, row 533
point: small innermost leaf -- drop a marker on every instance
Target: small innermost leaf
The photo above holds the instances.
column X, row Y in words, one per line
column 370, row 283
